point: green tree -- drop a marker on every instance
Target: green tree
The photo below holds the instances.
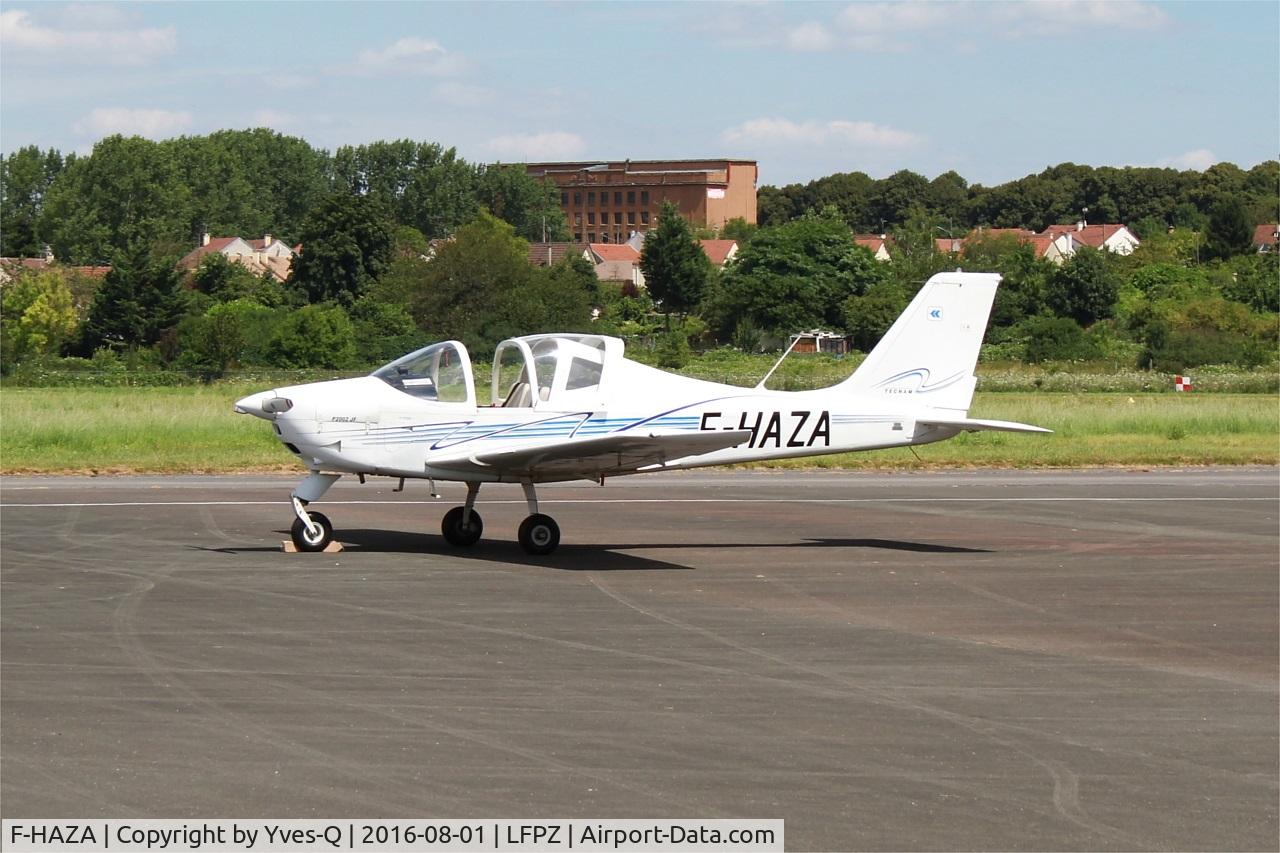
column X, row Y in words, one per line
column 894, row 198
column 37, row 315
column 313, row 336
column 129, row 191
column 25, row 178
column 225, row 280
column 347, row 243
column 868, row 316
column 739, row 229
column 1229, row 232
column 796, row 276
column 1254, row 281
column 529, row 205
column 1084, row 288
column 1056, row 339
column 383, row 330
column 139, row 299
column 675, row 267
column 229, row 334
column 481, row 288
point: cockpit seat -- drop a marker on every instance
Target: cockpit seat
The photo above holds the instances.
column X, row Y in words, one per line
column 520, row 397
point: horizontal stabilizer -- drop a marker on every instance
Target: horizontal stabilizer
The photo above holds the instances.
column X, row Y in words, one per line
column 977, row 425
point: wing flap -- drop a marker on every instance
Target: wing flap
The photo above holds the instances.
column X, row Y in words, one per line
column 619, row 453
column 977, row 425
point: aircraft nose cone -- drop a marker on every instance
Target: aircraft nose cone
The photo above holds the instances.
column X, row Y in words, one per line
column 266, row 405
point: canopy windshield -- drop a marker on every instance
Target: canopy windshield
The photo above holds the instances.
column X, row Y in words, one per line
column 549, row 371
column 440, row 372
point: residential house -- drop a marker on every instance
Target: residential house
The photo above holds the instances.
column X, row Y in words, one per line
column 877, row 243
column 1266, row 237
column 11, row 268
column 617, row 262
column 548, row 254
column 266, row 255
column 1056, row 243
column 719, row 252
column 1112, row 238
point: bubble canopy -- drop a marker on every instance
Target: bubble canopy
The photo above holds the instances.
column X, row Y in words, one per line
column 560, row 371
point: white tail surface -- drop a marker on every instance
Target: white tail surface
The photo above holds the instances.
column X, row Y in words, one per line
column 928, row 355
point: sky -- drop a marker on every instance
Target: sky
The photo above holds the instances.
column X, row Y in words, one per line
column 992, row 90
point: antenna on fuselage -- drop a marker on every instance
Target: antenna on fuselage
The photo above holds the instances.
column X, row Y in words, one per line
column 778, row 363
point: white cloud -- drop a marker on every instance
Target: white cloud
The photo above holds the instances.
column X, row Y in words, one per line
column 892, row 26
column 462, row 94
column 781, row 131
column 1050, row 17
column 896, row 17
column 810, row 37
column 555, row 145
column 1198, row 159
column 153, row 124
column 411, row 55
column 22, row 37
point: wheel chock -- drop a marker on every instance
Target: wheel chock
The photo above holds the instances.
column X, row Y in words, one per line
column 333, row 547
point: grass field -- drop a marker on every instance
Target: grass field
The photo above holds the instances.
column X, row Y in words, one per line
column 193, row 429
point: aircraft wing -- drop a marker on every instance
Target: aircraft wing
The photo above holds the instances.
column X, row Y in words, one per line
column 976, row 425
column 591, row 458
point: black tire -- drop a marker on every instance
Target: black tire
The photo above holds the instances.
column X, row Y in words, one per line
column 539, row 534
column 458, row 535
column 304, row 541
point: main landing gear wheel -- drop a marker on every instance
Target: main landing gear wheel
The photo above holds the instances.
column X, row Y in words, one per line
column 458, row 534
column 308, row 541
column 539, row 534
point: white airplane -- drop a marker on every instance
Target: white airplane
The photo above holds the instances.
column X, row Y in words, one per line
column 571, row 407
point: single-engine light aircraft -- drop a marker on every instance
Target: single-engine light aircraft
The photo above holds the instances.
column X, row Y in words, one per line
column 571, row 407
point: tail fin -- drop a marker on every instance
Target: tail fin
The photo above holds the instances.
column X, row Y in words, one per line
column 929, row 353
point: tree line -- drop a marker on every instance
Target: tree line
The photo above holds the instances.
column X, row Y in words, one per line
column 248, row 183
column 1149, row 200
column 376, row 278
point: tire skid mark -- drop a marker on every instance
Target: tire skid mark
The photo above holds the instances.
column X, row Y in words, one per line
column 1066, row 788
column 169, row 680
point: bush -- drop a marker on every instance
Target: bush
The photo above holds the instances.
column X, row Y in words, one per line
column 227, row 335
column 383, row 331
column 313, row 336
column 1181, row 349
column 673, row 350
column 1056, row 339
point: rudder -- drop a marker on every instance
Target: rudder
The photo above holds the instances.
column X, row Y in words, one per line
column 929, row 353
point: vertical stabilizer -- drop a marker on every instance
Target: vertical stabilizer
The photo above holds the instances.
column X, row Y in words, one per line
column 929, row 353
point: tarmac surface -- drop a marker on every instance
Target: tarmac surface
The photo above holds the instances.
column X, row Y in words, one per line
column 954, row 660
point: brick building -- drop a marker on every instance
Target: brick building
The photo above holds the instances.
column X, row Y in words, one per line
column 605, row 202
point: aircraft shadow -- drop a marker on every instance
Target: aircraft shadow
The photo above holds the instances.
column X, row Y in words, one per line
column 581, row 558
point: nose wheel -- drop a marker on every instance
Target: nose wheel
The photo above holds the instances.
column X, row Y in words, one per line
column 313, row 537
